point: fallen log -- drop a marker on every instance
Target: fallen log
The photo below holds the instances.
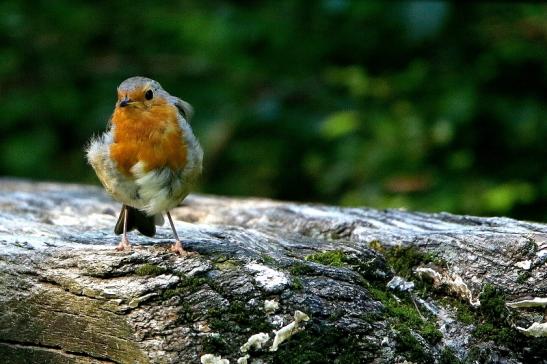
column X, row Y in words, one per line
column 358, row 285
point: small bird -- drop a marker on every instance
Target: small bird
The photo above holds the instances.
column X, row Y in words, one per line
column 148, row 159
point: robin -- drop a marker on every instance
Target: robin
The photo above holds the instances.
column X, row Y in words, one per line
column 148, row 159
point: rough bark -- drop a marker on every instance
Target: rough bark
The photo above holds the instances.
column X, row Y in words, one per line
column 66, row 296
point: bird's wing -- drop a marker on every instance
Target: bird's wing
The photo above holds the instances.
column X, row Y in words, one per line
column 184, row 108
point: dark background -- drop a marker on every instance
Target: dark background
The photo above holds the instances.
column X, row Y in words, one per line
column 424, row 105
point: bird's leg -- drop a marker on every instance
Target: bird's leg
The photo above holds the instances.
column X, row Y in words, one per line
column 124, row 244
column 177, row 247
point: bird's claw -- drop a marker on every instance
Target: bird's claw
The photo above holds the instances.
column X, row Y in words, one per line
column 124, row 245
column 179, row 250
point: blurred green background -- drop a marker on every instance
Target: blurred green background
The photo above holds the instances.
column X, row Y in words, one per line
column 424, row 105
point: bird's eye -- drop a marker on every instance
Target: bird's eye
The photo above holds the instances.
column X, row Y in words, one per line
column 148, row 95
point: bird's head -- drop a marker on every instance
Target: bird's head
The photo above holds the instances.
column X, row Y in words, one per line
column 141, row 93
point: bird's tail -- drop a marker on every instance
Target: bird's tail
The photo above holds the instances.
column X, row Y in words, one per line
column 136, row 219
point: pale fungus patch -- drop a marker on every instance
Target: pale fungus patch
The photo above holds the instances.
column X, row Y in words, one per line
column 267, row 278
column 536, row 329
column 270, row 306
column 213, row 359
column 525, row 264
column 287, row 331
column 534, row 302
column 243, row 359
column 255, row 342
column 453, row 281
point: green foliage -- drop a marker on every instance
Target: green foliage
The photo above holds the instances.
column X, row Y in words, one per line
column 185, row 285
column 238, row 317
column 268, row 260
column 323, row 344
column 334, row 258
column 216, row 344
column 402, row 312
column 431, row 333
column 464, row 313
column 448, row 357
column 407, row 321
column 493, row 318
column 493, row 321
column 523, row 277
column 340, row 124
column 228, row 264
column 193, row 282
column 408, row 343
column 405, row 258
column 295, row 100
column 405, row 312
column 172, row 292
column 500, row 334
column 149, row 270
column 298, row 269
column 296, row 284
column 493, row 306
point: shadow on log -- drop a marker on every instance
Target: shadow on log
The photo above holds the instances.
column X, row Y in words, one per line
column 326, row 284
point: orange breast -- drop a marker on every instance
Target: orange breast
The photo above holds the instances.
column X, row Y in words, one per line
column 152, row 136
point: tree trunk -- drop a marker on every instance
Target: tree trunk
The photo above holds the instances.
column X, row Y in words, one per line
column 371, row 286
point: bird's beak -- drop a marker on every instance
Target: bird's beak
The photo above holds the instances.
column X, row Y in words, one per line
column 126, row 101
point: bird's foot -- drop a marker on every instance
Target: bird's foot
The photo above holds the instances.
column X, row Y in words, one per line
column 124, row 245
column 179, row 250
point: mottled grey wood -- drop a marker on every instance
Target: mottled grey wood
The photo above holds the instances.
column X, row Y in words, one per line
column 66, row 296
